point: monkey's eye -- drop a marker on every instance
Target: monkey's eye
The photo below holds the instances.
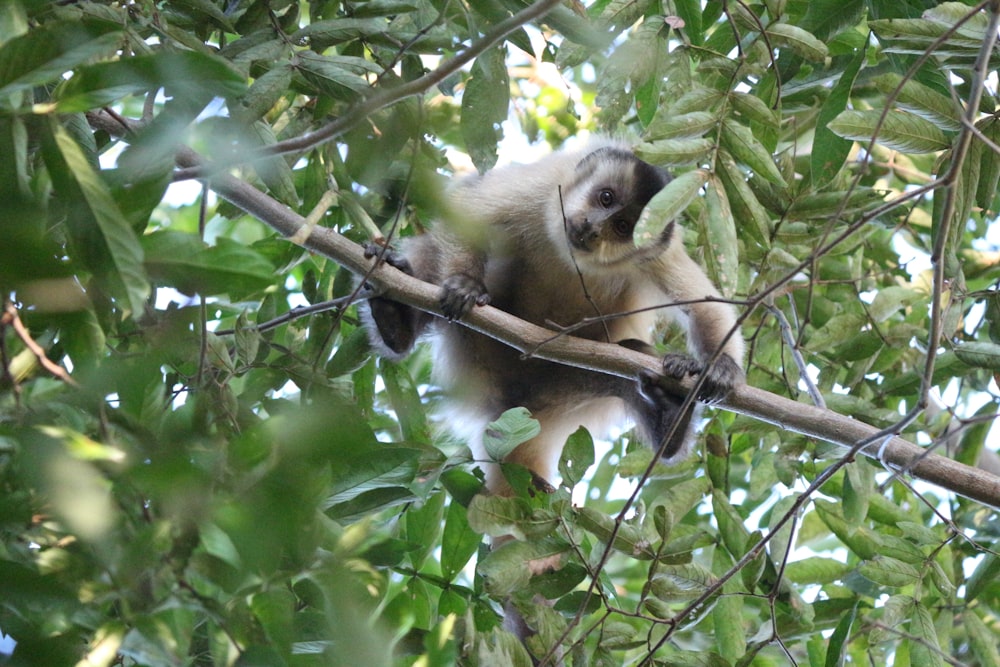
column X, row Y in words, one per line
column 622, row 228
column 606, row 198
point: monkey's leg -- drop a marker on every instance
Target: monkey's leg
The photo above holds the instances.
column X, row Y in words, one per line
column 659, row 418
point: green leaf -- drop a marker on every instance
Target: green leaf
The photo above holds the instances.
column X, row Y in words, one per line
column 919, row 31
column 973, row 24
column 862, row 541
column 184, row 262
column 404, row 398
column 829, row 151
column 247, row 340
column 754, row 109
column 700, row 98
column 423, row 527
column 979, row 354
column 181, row 74
column 47, row 52
column 921, row 100
column 506, row 570
column 340, row 77
column 727, row 614
column 899, row 130
column 681, row 499
column 982, row 639
column 669, row 126
column 675, row 152
column 458, row 542
column 816, row 570
column 747, row 209
column 124, row 250
column 889, row 572
column 836, row 648
column 719, row 238
column 628, row 539
column 859, row 485
column 823, row 205
column 263, row 93
column 739, row 140
column 337, row 31
column 498, row 515
column 275, row 610
column 690, row 11
column 798, row 40
column 925, row 651
column 509, row 430
column 352, row 353
column 484, row 107
column 382, row 466
column 577, row 457
column 674, row 583
column 666, row 205
column 989, row 171
column 734, row 534
column 984, row 576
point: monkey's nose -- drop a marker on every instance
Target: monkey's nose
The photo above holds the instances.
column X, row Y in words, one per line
column 583, row 235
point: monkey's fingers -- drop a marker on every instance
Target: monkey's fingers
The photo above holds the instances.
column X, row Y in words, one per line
column 681, row 366
column 391, row 257
column 721, row 377
column 459, row 293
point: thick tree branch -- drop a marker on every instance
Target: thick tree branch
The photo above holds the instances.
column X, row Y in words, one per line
column 782, row 412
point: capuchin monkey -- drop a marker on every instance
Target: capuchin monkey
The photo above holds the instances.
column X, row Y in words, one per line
column 552, row 243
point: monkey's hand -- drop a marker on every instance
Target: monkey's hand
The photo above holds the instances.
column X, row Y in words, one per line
column 720, row 378
column 459, row 293
column 391, row 257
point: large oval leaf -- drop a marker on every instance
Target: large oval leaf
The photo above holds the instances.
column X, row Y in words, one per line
column 898, row 130
column 666, row 205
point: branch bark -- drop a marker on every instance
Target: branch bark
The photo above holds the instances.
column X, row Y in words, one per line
column 893, row 451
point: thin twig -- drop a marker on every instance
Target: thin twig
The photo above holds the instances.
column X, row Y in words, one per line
column 786, row 333
column 304, row 311
column 11, row 318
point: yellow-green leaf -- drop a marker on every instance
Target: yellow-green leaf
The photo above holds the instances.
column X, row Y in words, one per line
column 802, row 42
column 898, row 130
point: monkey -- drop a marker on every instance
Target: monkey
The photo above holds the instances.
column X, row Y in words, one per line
column 552, row 242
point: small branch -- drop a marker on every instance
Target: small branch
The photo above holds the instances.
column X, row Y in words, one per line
column 303, row 311
column 11, row 318
column 800, row 363
column 950, row 179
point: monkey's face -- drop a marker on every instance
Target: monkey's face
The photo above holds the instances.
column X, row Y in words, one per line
column 603, row 203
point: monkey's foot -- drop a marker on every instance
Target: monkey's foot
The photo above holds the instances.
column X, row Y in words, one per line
column 720, row 378
column 459, row 293
column 660, row 419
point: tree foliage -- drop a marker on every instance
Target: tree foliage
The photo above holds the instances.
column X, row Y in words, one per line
column 201, row 462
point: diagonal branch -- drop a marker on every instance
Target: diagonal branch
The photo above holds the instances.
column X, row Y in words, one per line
column 613, row 359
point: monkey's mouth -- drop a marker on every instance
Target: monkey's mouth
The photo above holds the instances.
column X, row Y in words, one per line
column 582, row 237
column 579, row 243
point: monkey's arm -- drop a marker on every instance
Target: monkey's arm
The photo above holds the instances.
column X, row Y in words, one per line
column 712, row 330
column 463, row 272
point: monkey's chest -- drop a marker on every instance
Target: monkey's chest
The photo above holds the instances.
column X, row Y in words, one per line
column 550, row 296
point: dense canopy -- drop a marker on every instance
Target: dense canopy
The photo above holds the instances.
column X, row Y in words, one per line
column 202, row 462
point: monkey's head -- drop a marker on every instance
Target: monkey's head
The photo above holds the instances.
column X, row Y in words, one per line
column 602, row 204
